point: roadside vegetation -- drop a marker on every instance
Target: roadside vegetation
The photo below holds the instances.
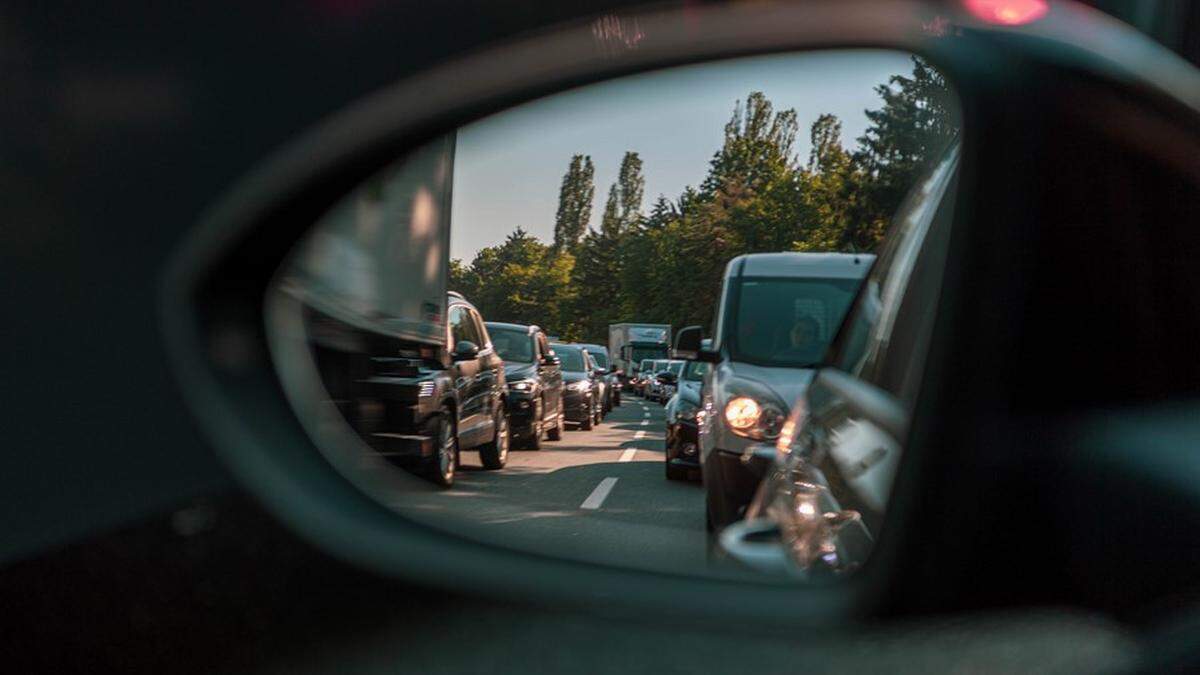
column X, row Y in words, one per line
column 663, row 264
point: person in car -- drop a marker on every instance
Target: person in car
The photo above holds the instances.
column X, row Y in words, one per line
column 804, row 342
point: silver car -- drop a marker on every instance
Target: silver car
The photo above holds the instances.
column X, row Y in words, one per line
column 777, row 315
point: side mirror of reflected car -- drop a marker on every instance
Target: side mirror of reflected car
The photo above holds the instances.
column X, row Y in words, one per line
column 466, row 350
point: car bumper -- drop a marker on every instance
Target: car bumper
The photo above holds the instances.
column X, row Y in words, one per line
column 520, row 412
column 735, row 474
column 577, row 407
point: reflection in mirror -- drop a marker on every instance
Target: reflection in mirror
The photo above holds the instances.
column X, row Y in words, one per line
column 480, row 336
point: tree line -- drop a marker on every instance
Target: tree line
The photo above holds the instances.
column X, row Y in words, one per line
column 666, row 265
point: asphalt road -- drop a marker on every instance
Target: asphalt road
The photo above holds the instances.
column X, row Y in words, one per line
column 598, row 496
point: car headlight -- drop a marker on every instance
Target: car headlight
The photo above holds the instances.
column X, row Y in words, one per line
column 581, row 385
column 521, row 385
column 750, row 418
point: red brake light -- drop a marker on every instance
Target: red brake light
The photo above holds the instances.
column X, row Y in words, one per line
column 1007, row 12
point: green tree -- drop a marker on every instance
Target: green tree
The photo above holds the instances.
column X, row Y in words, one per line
column 912, row 128
column 521, row 280
column 574, row 203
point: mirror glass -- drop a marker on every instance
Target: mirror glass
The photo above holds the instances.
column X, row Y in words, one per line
column 480, row 336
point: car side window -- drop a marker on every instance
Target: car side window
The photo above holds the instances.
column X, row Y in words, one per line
column 481, row 335
column 462, row 326
column 874, row 326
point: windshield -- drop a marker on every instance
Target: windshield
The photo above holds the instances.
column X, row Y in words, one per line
column 788, row 322
column 648, row 352
column 572, row 358
column 647, row 365
column 695, row 371
column 599, row 356
column 512, row 344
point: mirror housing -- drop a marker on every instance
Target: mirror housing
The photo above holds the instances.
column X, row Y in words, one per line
column 688, row 343
column 465, row 351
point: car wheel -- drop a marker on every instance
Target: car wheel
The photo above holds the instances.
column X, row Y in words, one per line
column 494, row 454
column 586, row 424
column 442, row 467
column 720, row 513
column 598, row 414
column 534, row 442
column 675, row 472
column 554, row 433
column 617, row 399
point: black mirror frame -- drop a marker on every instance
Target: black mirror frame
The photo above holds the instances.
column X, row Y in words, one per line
column 214, row 286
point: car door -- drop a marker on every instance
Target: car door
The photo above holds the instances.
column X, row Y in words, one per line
column 550, row 374
column 464, row 373
column 881, row 349
column 489, row 379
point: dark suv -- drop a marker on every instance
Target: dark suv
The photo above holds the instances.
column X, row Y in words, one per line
column 581, row 390
column 535, row 383
column 612, row 379
column 437, row 402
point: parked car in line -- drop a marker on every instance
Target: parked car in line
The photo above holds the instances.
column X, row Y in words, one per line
column 642, row 376
column 683, row 414
column 433, row 404
column 535, row 383
column 778, row 313
column 612, row 375
column 581, row 389
column 668, row 380
column 842, row 454
column 652, row 385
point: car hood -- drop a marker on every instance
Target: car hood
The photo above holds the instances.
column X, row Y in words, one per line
column 519, row 371
column 788, row 384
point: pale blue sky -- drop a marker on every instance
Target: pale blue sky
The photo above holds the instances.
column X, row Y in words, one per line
column 509, row 166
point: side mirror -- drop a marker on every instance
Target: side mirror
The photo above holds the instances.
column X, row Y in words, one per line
column 601, row 371
column 465, row 351
column 550, row 359
column 687, row 343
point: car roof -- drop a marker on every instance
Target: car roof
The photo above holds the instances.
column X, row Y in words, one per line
column 558, row 345
column 531, row 328
column 827, row 265
column 589, row 346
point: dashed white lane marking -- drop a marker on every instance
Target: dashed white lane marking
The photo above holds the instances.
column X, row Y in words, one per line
column 627, row 456
column 646, row 414
column 598, row 495
column 639, row 435
column 645, row 423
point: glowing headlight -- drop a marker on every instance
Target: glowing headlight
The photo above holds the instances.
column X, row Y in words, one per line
column 425, row 389
column 521, row 385
column 747, row 417
column 742, row 413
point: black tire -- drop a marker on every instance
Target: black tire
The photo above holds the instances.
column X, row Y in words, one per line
column 598, row 415
column 555, row 432
column 586, row 424
column 442, row 468
column 494, row 454
column 720, row 512
column 675, row 472
column 616, row 403
column 534, row 441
